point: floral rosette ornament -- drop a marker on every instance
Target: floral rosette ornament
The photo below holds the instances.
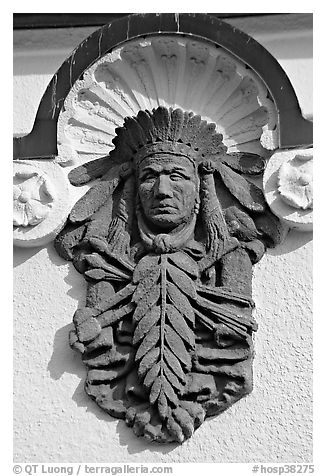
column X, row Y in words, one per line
column 41, row 201
column 166, row 239
column 295, row 181
column 288, row 187
column 32, row 198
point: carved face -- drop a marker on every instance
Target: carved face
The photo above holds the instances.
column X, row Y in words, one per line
column 168, row 190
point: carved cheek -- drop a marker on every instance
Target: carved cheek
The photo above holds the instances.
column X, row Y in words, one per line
column 145, row 192
column 189, row 195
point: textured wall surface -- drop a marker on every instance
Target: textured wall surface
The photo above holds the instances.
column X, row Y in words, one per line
column 55, row 421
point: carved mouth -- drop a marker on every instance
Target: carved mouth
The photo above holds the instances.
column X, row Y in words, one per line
column 165, row 208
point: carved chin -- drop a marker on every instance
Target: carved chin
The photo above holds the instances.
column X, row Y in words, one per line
column 166, row 220
column 170, row 218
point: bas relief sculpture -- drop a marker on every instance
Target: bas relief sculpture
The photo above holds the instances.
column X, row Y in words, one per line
column 166, row 239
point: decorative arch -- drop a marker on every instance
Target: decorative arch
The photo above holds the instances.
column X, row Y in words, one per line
column 171, row 119
column 294, row 130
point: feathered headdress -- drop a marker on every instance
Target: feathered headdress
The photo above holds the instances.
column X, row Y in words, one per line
column 240, row 211
column 166, row 131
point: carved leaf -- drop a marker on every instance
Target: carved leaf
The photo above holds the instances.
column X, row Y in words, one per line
column 184, row 283
column 148, row 343
column 171, row 377
column 146, row 323
column 151, row 376
column 169, row 392
column 179, row 324
column 177, row 347
column 162, row 406
column 144, row 266
column 148, row 361
column 147, row 302
column 185, row 263
column 146, row 284
column 180, row 302
column 155, row 390
column 248, row 194
column 164, row 329
column 174, row 365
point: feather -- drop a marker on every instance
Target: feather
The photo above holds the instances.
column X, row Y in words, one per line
column 67, row 239
column 111, row 317
column 271, row 229
column 240, row 224
column 90, row 171
column 161, row 119
column 146, row 122
column 176, row 125
column 95, row 197
column 244, row 162
column 248, row 194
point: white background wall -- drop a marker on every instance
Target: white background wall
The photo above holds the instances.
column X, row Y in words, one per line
column 55, row 421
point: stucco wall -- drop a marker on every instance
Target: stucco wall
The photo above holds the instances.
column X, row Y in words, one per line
column 54, row 419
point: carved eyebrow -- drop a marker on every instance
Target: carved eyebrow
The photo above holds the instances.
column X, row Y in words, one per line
column 149, row 169
column 178, row 169
column 167, row 168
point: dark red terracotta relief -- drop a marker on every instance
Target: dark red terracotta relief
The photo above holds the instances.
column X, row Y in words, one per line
column 166, row 239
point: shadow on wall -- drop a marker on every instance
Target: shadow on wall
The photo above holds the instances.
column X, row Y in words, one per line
column 73, row 278
column 20, row 255
column 293, row 241
column 65, row 360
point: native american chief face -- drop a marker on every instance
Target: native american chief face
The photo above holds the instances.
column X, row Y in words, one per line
column 166, row 240
column 168, row 190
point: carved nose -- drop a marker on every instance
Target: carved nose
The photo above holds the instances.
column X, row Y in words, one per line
column 163, row 188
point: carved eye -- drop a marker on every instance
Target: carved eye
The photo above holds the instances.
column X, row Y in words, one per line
column 176, row 177
column 147, row 177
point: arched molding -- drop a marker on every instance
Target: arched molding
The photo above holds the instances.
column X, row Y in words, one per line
column 294, row 130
